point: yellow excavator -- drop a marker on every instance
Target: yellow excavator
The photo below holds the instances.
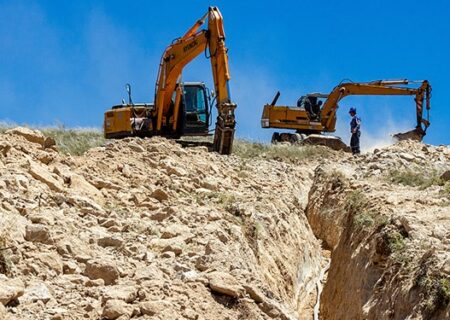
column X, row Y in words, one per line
column 312, row 116
column 183, row 108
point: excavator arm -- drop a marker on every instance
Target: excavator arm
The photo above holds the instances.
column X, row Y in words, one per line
column 310, row 119
column 392, row 87
column 182, row 52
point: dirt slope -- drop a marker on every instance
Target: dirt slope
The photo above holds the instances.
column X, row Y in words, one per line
column 146, row 229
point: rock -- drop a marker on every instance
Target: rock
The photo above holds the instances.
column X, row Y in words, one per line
column 159, row 216
column 189, row 276
column 49, row 142
column 168, row 255
column 226, row 284
column 152, row 308
column 120, row 292
column 446, row 176
column 254, row 293
column 116, row 308
column 70, row 267
column 135, row 147
column 175, row 248
column 126, row 171
column 95, row 283
column 39, row 172
column 210, row 184
column 172, row 170
column 101, row 184
column 110, row 241
column 51, row 260
column 34, row 136
column 36, row 292
column 38, row 233
column 172, row 231
column 86, row 203
column 406, row 156
column 42, row 218
column 3, row 312
column 10, row 289
column 160, row 195
column 102, row 269
column 79, row 184
column 46, row 158
column 4, row 148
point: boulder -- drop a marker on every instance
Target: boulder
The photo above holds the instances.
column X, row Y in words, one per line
column 70, row 267
column 40, row 173
column 224, row 283
column 38, row 233
column 135, row 147
column 110, row 241
column 87, row 204
column 36, row 292
column 10, row 289
column 80, row 185
column 34, row 136
column 446, row 176
column 254, row 293
column 125, row 293
column 4, row 148
column 51, row 260
column 3, row 312
column 160, row 195
column 173, row 247
column 102, row 269
column 116, row 308
column 152, row 308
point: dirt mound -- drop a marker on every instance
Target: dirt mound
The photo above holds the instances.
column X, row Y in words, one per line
column 144, row 228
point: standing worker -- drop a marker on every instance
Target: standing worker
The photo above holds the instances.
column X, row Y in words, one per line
column 355, row 128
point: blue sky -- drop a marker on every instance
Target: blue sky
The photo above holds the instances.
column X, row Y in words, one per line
column 66, row 62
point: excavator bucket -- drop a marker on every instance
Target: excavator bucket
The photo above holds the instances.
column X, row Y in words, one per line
column 415, row 135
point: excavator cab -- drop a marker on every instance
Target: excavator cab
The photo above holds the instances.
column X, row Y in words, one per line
column 195, row 106
column 312, row 105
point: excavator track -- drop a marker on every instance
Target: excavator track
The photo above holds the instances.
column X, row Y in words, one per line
column 332, row 142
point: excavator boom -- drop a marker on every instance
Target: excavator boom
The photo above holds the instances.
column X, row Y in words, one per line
column 183, row 51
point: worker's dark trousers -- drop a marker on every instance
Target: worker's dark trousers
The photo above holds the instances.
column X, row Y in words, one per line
column 354, row 142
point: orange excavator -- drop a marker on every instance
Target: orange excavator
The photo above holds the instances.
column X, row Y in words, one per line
column 183, row 108
column 312, row 117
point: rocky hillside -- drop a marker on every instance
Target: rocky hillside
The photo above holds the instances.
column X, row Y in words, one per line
column 147, row 229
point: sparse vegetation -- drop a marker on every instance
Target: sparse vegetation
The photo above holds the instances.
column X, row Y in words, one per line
column 70, row 141
column 446, row 190
column 415, row 178
column 396, row 241
column 363, row 216
column 438, row 292
column 357, row 204
column 285, row 152
column 75, row 141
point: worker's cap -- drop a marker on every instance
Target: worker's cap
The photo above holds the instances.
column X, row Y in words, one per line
column 352, row 110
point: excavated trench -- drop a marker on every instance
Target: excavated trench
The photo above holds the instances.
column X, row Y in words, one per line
column 235, row 239
column 361, row 276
